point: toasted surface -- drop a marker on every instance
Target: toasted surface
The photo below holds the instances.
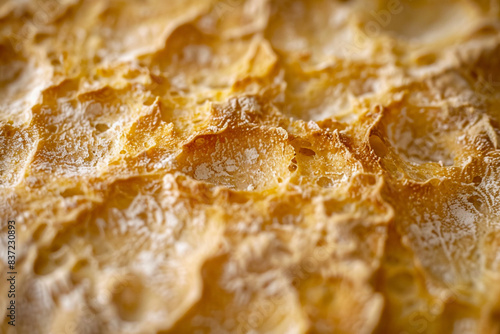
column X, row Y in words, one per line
column 251, row 166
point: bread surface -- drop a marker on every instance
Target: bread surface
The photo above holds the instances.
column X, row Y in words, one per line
column 251, row 166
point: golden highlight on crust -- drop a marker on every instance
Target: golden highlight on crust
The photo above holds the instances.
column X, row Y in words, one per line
column 251, row 166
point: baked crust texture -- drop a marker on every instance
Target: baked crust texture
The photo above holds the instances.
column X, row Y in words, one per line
column 251, row 166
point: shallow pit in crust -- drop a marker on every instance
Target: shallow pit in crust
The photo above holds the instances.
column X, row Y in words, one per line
column 244, row 159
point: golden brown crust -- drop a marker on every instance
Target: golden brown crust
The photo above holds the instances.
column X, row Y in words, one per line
column 251, row 166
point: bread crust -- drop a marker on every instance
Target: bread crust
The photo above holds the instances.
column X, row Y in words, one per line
column 251, row 166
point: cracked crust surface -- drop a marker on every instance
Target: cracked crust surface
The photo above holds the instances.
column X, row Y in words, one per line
column 251, row 166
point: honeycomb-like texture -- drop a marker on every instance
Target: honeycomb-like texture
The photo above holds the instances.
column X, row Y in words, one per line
column 251, row 166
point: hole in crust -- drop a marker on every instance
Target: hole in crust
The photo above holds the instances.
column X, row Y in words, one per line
column 426, row 59
column 307, row 152
column 101, row 127
column 378, row 146
column 199, row 141
column 72, row 192
column 477, row 180
column 476, row 202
